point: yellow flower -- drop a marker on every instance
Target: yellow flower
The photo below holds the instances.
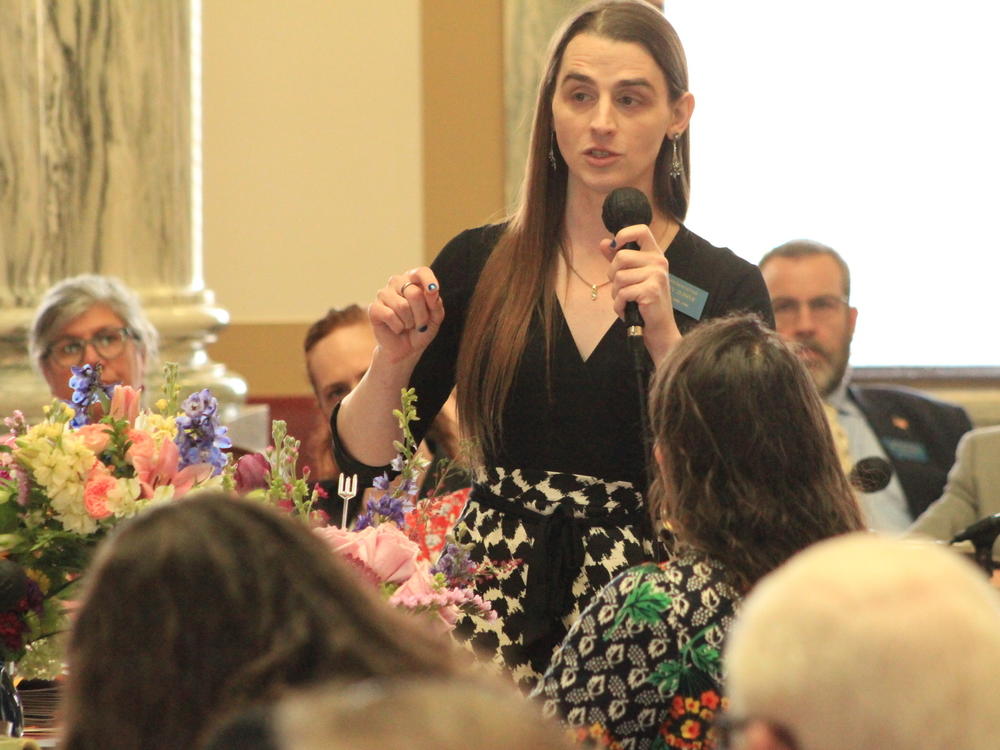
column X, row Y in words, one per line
column 124, row 501
column 157, row 426
column 692, row 705
column 40, row 578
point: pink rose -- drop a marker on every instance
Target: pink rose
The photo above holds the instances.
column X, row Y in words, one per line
column 95, row 436
column 142, row 446
column 384, row 550
column 125, row 403
column 251, row 472
column 416, row 590
column 95, row 492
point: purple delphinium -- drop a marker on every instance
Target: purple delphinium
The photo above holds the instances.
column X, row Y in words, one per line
column 389, row 508
column 454, row 565
column 200, row 438
column 87, row 389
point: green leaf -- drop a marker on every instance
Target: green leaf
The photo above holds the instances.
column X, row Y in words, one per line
column 643, row 604
column 667, row 677
column 706, row 658
column 10, row 519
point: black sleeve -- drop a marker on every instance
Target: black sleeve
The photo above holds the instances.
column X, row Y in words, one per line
column 749, row 294
column 457, row 268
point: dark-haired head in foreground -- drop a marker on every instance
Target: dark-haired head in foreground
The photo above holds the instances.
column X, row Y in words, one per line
column 208, row 605
column 748, row 473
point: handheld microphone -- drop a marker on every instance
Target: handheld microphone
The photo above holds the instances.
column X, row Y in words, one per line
column 622, row 208
column 983, row 531
column 870, row 474
column 983, row 534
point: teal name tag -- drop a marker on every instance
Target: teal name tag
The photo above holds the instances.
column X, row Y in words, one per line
column 906, row 450
column 687, row 298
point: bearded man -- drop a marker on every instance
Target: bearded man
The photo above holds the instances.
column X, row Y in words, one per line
column 810, row 288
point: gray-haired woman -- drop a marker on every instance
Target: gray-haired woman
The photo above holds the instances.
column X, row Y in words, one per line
column 91, row 319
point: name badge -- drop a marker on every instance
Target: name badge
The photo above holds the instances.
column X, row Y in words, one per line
column 687, row 298
column 906, row 450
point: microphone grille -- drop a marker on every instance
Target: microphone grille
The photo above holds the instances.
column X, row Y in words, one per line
column 624, row 207
column 871, row 474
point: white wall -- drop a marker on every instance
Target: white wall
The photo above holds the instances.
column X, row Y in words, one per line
column 871, row 126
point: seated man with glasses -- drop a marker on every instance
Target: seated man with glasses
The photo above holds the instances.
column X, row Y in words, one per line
column 810, row 287
column 824, row 655
column 91, row 319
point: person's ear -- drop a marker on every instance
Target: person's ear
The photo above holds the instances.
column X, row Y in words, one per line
column 680, row 111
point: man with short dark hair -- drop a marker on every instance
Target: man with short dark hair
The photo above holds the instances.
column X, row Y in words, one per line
column 810, row 288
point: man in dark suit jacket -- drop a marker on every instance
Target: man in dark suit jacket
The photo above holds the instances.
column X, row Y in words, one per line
column 810, row 286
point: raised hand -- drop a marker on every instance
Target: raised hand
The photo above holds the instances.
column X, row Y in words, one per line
column 407, row 313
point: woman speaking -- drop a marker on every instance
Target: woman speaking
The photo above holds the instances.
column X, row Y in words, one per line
column 525, row 318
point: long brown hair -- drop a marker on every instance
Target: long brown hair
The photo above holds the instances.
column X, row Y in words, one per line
column 748, row 472
column 210, row 604
column 518, row 280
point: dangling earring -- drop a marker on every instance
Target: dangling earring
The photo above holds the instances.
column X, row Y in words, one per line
column 676, row 165
column 552, row 151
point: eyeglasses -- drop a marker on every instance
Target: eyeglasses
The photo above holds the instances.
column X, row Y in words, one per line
column 821, row 308
column 109, row 343
column 725, row 728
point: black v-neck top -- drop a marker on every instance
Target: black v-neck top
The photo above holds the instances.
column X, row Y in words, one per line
column 590, row 425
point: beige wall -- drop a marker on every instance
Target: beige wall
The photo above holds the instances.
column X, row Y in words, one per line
column 312, row 156
column 343, row 142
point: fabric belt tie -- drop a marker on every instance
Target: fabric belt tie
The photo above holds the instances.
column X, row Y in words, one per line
column 555, row 558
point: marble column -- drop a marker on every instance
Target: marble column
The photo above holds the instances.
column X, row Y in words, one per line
column 527, row 27
column 100, row 172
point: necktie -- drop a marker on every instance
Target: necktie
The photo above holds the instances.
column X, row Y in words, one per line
column 839, row 438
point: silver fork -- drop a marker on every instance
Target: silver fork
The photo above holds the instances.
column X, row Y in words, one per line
column 347, row 488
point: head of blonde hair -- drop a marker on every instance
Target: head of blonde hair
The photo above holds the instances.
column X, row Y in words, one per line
column 862, row 641
column 418, row 714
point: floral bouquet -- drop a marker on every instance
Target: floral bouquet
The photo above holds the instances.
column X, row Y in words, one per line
column 67, row 480
column 394, row 539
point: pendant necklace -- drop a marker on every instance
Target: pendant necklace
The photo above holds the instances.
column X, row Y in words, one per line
column 593, row 287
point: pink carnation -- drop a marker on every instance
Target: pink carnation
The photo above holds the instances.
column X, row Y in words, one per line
column 95, row 492
column 384, row 550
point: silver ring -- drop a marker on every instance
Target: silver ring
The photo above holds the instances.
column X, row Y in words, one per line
column 403, row 288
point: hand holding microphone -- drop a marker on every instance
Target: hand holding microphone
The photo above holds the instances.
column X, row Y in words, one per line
column 640, row 275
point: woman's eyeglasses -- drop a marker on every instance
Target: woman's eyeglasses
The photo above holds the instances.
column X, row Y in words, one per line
column 109, row 343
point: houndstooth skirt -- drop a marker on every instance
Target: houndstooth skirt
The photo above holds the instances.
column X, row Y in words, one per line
column 572, row 534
